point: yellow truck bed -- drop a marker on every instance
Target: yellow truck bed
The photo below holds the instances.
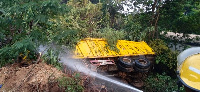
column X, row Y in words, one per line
column 96, row 48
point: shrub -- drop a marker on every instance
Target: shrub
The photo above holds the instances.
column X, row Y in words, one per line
column 25, row 47
column 51, row 57
column 111, row 36
column 161, row 83
column 71, row 84
column 165, row 58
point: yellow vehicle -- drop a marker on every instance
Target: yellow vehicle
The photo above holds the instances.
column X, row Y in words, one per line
column 131, row 58
column 188, row 69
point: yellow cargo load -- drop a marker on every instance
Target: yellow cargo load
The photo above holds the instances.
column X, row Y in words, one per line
column 96, row 48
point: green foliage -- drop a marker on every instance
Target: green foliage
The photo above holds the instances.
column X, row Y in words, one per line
column 159, row 46
column 51, row 57
column 111, row 36
column 180, row 16
column 84, row 16
column 10, row 53
column 165, row 58
column 24, row 25
column 23, row 19
column 112, row 17
column 190, row 23
column 134, row 31
column 137, row 27
column 161, row 83
column 170, row 13
column 71, row 84
column 82, row 20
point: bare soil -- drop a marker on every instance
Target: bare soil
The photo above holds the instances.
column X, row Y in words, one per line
column 36, row 77
column 44, row 78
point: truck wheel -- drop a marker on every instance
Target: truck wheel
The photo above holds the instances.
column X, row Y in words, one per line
column 142, row 63
column 144, row 70
column 124, row 69
column 126, row 62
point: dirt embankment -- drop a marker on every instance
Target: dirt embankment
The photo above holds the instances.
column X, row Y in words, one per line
column 44, row 78
column 36, row 77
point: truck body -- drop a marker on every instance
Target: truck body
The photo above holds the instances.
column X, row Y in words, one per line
column 131, row 59
column 97, row 48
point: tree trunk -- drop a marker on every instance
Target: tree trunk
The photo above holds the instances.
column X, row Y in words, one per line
column 155, row 17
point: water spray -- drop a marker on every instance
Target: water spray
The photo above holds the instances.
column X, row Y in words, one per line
column 79, row 66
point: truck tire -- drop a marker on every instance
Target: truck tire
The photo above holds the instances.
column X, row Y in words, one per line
column 124, row 69
column 142, row 63
column 125, row 62
column 144, row 70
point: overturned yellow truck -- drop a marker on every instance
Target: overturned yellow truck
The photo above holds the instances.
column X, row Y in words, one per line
column 129, row 61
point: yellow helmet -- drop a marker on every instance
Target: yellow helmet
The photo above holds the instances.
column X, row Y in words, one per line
column 189, row 68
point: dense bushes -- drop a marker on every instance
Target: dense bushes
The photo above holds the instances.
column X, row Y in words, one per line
column 165, row 57
column 24, row 48
column 163, row 78
column 25, row 25
column 161, row 83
